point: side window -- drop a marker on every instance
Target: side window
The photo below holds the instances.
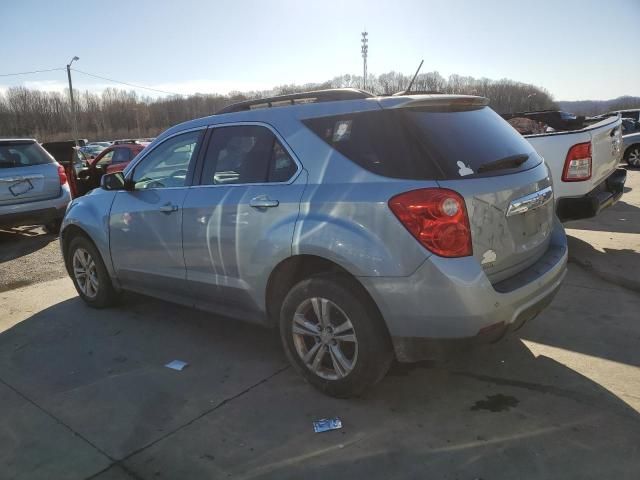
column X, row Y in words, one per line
column 246, row 154
column 167, row 165
column 121, row 155
column 106, row 159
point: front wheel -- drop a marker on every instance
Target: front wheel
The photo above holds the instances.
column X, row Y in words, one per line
column 334, row 335
column 89, row 275
column 633, row 156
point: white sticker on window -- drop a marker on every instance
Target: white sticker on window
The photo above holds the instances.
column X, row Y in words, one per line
column 464, row 170
column 342, row 130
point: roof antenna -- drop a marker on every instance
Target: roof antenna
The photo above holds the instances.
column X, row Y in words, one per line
column 408, row 89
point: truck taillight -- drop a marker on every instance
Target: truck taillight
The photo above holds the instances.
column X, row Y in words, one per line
column 577, row 166
column 62, row 175
column 437, row 218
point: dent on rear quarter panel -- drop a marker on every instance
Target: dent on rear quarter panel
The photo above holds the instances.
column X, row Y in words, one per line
column 91, row 214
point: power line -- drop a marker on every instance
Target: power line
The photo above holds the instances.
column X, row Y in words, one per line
column 125, row 83
column 28, row 73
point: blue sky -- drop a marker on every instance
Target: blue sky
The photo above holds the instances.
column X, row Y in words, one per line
column 575, row 49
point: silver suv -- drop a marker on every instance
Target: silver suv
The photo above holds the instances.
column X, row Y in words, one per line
column 366, row 228
column 33, row 186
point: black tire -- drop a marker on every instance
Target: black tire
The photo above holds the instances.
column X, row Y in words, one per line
column 631, row 156
column 105, row 295
column 53, row 227
column 374, row 351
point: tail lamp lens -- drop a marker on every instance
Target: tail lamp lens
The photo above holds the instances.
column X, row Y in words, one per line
column 62, row 175
column 437, row 218
column 577, row 166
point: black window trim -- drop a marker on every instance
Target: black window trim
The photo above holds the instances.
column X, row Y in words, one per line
column 197, row 180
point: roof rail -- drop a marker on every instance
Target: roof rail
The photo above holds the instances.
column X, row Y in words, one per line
column 330, row 95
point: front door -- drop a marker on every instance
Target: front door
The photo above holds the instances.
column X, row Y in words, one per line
column 146, row 224
column 239, row 221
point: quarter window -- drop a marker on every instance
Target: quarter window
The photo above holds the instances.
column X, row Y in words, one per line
column 168, row 164
column 246, row 154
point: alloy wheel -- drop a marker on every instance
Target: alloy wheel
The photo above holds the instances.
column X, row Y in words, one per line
column 85, row 273
column 324, row 338
column 634, row 157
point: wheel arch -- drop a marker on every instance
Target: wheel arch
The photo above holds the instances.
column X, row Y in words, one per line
column 295, row 269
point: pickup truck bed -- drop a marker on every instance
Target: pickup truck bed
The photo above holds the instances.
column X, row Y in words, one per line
column 588, row 195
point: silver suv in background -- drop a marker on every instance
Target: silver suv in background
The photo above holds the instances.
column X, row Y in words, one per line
column 33, row 186
column 366, row 228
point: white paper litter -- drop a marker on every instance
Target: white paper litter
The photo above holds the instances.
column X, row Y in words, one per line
column 178, row 365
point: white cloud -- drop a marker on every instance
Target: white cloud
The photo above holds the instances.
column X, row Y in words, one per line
column 188, row 87
column 46, row 85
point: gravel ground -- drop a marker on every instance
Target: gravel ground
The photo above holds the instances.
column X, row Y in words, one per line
column 28, row 255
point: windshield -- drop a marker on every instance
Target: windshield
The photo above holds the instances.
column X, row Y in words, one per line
column 22, row 154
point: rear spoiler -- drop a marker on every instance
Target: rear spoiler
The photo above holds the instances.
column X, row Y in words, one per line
column 427, row 101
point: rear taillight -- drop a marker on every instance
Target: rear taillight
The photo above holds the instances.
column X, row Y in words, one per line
column 437, row 217
column 577, row 166
column 62, row 175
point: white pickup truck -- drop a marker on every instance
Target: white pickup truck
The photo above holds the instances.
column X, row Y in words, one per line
column 583, row 159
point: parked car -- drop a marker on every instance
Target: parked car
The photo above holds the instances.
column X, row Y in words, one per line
column 361, row 226
column 111, row 159
column 583, row 157
column 91, row 150
column 632, row 113
column 100, row 144
column 33, row 186
column 631, row 142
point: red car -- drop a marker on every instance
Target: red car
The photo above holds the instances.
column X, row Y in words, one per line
column 112, row 159
column 116, row 157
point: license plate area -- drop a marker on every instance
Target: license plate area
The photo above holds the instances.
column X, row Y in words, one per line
column 21, row 187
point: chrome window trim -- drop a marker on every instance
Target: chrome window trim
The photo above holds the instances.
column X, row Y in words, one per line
column 280, row 138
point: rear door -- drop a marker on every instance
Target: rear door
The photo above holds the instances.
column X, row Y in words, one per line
column 27, row 173
column 145, row 225
column 239, row 222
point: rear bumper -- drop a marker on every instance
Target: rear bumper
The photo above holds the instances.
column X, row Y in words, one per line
column 590, row 205
column 449, row 303
column 35, row 213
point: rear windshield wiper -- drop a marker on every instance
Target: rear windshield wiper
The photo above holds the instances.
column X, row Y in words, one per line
column 512, row 161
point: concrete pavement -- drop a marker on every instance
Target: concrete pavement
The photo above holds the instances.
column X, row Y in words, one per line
column 88, row 396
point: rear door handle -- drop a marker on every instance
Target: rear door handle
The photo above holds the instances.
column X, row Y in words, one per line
column 168, row 208
column 263, row 202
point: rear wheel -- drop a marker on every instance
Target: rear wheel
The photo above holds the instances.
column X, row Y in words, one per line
column 633, row 156
column 89, row 275
column 334, row 336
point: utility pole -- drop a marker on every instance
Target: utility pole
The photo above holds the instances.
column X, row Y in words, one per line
column 73, row 104
column 364, row 50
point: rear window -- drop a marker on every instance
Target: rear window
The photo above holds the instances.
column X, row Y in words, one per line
column 424, row 144
column 22, row 154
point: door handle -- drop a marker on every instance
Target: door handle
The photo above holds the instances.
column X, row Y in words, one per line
column 168, row 208
column 263, row 202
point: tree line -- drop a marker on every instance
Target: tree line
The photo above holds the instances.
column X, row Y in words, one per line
column 116, row 113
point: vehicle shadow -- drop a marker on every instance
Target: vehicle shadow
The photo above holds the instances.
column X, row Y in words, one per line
column 18, row 242
column 495, row 412
column 618, row 266
column 622, row 217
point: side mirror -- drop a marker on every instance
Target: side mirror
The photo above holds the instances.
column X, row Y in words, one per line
column 115, row 181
